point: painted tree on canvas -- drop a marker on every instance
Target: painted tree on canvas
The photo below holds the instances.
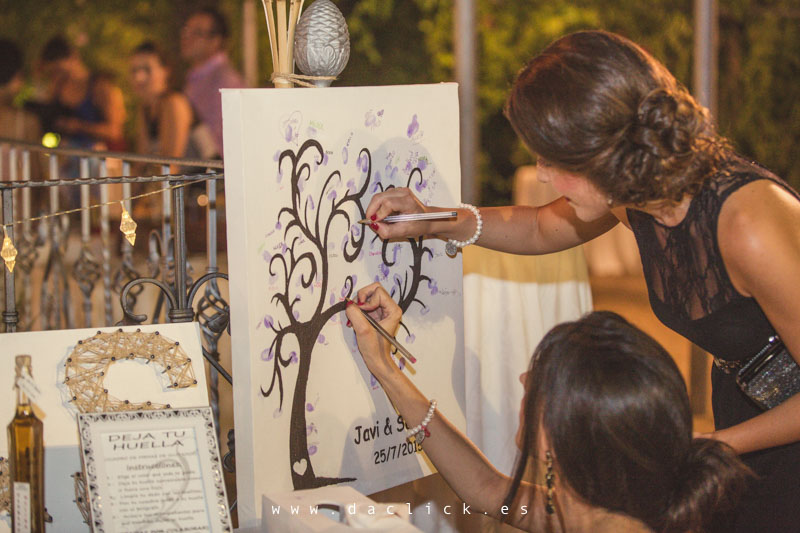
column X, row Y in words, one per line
column 307, row 296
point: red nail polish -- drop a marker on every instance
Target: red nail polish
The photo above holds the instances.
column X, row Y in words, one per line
column 360, row 303
column 374, row 227
column 349, row 302
column 349, row 324
column 373, row 217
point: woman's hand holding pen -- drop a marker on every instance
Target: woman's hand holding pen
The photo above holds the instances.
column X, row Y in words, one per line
column 394, row 201
column 374, row 299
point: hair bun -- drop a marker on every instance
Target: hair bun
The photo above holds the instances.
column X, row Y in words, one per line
column 666, row 124
column 712, row 479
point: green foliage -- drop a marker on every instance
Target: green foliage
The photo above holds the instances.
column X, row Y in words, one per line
column 759, row 90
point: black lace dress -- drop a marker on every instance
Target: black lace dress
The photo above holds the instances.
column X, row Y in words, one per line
column 691, row 293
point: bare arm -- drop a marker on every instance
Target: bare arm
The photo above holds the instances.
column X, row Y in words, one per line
column 175, row 120
column 460, row 463
column 760, row 247
column 513, row 229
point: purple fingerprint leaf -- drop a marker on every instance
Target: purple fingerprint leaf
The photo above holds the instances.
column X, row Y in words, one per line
column 345, row 155
column 421, row 184
column 333, row 298
column 267, row 354
column 293, row 359
column 278, row 225
column 312, row 450
column 276, row 413
column 296, row 314
column 412, row 128
column 351, row 185
column 300, row 185
column 310, row 429
column 284, row 248
column 277, row 155
column 267, row 256
column 433, row 286
column 364, row 164
column 309, row 407
column 268, row 321
column 311, row 201
column 332, row 195
column 321, row 339
column 422, row 164
column 325, row 159
column 411, row 338
column 424, row 310
column 384, row 270
column 279, row 177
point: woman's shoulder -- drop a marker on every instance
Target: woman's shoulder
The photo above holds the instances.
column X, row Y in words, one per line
column 174, row 102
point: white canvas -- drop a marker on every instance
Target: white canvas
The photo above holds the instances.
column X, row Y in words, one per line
column 131, row 380
column 300, row 168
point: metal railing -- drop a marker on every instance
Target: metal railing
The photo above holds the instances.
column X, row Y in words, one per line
column 180, row 299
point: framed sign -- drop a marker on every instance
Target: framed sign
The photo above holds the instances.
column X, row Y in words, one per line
column 154, row 471
column 81, row 370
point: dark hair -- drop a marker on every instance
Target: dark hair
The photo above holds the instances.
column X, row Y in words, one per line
column 597, row 104
column 219, row 24
column 57, row 48
column 151, row 48
column 615, row 414
column 10, row 60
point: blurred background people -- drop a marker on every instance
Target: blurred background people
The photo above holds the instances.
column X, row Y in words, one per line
column 203, row 41
column 87, row 108
column 163, row 115
column 15, row 123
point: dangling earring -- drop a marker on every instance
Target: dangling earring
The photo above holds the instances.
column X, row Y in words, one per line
column 550, row 483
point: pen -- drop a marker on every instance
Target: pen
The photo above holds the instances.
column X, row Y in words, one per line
column 413, row 216
column 385, row 334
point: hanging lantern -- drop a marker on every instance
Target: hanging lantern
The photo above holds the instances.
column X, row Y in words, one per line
column 9, row 252
column 127, row 225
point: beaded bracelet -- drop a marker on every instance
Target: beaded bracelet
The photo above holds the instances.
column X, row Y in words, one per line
column 420, row 431
column 453, row 245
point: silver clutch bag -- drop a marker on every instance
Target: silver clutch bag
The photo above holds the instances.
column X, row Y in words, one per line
column 771, row 376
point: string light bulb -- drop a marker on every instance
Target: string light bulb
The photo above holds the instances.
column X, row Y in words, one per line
column 9, row 252
column 127, row 225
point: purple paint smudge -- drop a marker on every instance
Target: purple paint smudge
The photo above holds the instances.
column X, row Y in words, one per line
column 412, row 128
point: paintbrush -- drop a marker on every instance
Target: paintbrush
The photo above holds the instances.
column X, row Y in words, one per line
column 385, row 334
column 413, row 216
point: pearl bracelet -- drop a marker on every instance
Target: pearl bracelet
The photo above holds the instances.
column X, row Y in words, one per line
column 453, row 245
column 420, row 431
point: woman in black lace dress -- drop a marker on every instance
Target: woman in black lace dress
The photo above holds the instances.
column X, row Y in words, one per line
column 623, row 141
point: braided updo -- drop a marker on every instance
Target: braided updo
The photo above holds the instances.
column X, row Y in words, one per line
column 597, row 104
